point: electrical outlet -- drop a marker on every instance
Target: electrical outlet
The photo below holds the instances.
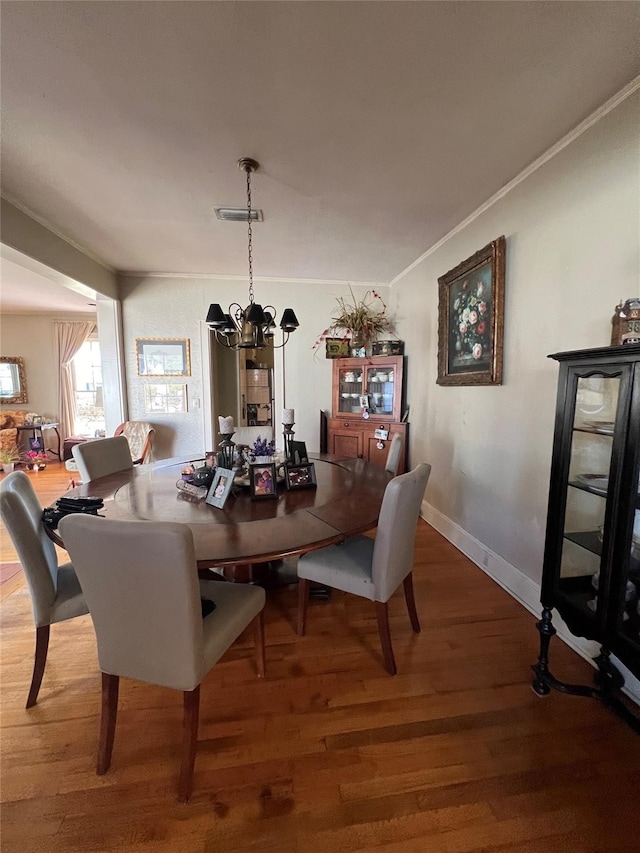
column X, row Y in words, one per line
column 196, row 402
column 485, row 559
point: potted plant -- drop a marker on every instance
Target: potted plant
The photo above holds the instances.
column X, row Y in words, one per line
column 362, row 319
column 8, row 457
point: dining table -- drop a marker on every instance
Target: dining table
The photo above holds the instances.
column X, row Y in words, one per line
column 245, row 539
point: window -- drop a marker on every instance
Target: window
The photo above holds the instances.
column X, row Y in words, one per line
column 88, row 380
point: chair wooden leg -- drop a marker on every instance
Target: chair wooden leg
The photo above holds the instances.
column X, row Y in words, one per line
column 258, row 634
column 303, row 598
column 189, row 742
column 110, row 686
column 382, row 615
column 40, row 659
column 411, row 603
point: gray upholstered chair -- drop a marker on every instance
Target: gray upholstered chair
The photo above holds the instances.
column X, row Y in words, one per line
column 140, row 580
column 373, row 568
column 395, row 454
column 102, row 457
column 55, row 591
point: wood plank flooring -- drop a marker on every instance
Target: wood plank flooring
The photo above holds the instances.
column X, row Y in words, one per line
column 328, row 754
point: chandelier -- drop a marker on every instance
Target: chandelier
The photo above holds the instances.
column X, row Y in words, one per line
column 253, row 327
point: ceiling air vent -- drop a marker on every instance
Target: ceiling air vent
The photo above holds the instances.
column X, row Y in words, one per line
column 237, row 214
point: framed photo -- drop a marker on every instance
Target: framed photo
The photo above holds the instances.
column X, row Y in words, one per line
column 163, row 357
column 301, row 476
column 471, row 319
column 220, row 488
column 262, row 480
column 299, row 452
column 165, row 399
column 337, row 347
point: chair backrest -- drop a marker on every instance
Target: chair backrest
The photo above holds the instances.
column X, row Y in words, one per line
column 140, row 581
column 22, row 515
column 140, row 435
column 396, row 533
column 248, row 435
column 102, row 457
column 395, row 452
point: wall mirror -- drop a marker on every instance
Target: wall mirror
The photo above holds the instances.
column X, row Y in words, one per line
column 13, row 381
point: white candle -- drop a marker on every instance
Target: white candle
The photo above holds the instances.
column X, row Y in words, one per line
column 226, row 425
column 288, row 416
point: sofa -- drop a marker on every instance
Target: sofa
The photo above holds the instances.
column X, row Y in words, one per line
column 9, row 420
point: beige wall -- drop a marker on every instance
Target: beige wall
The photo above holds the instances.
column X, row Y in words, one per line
column 573, row 243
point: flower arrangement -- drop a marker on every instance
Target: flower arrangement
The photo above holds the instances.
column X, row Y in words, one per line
column 363, row 319
column 262, row 447
column 471, row 320
column 35, row 457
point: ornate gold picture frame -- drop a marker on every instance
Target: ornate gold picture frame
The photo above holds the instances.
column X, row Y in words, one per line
column 471, row 319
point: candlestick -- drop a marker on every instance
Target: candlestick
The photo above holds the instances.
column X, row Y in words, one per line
column 226, row 454
column 226, row 425
column 288, row 438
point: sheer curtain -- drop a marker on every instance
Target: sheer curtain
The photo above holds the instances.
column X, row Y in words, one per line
column 69, row 337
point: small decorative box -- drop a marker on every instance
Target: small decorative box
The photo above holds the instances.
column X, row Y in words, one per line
column 387, row 348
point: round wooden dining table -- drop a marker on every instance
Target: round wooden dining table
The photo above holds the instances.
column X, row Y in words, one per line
column 246, row 532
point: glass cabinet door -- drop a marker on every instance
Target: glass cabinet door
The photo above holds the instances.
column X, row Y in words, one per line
column 349, row 389
column 628, row 601
column 380, row 383
column 583, row 542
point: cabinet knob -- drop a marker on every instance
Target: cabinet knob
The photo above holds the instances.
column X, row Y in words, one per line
column 346, row 423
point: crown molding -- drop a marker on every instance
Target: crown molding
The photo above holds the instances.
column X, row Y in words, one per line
column 570, row 137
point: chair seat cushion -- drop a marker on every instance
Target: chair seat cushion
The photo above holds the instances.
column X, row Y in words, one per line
column 69, row 600
column 346, row 566
column 235, row 606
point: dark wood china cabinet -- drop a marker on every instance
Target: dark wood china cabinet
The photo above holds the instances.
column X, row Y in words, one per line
column 591, row 571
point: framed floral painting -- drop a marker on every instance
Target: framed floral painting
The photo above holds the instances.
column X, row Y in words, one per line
column 471, row 319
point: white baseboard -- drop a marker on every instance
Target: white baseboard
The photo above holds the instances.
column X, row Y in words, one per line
column 521, row 587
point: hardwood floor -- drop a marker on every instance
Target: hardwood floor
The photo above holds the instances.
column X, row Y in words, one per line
column 328, row 754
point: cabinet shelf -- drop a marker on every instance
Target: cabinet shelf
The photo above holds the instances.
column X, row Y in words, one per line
column 589, row 540
column 600, row 493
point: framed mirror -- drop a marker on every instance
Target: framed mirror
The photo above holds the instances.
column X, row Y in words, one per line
column 13, row 380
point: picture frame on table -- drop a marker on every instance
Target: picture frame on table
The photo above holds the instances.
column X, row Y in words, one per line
column 301, row 476
column 163, row 357
column 220, row 488
column 298, row 452
column 471, row 319
column 262, row 480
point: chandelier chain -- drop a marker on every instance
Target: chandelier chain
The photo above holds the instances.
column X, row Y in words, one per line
column 250, row 236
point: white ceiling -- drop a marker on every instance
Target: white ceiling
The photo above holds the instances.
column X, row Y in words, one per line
column 379, row 126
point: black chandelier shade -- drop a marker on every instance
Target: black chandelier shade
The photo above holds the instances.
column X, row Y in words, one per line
column 251, row 327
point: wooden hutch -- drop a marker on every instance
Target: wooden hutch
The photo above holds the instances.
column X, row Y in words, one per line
column 367, row 409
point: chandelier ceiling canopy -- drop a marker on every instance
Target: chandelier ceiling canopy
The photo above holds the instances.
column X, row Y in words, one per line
column 253, row 327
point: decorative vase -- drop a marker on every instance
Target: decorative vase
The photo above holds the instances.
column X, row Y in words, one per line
column 358, row 345
column 7, row 467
